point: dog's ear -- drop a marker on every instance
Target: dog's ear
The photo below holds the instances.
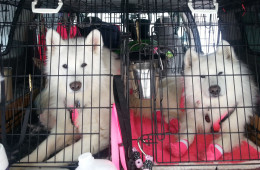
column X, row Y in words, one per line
column 190, row 57
column 95, row 38
column 225, row 50
column 53, row 39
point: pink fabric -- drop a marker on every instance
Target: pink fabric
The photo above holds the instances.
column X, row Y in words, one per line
column 160, row 150
column 174, row 126
column 116, row 141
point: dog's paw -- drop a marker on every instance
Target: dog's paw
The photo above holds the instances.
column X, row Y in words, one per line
column 178, row 149
column 214, row 152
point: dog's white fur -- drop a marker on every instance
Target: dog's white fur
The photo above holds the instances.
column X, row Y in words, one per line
column 237, row 88
column 95, row 96
column 168, row 97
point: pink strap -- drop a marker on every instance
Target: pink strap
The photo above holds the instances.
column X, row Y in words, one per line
column 116, row 141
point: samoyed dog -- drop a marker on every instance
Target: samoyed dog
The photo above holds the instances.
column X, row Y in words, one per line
column 220, row 96
column 77, row 98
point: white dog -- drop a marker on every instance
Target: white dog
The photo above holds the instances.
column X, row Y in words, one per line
column 77, row 98
column 220, row 95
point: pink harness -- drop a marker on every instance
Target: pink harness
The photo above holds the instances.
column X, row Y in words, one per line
column 118, row 152
column 217, row 124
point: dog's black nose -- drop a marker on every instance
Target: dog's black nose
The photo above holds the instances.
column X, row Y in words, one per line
column 214, row 90
column 75, row 86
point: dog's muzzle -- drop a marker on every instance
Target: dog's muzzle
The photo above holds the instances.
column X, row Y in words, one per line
column 75, row 86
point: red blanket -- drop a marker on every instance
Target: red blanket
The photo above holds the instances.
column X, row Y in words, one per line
column 160, row 149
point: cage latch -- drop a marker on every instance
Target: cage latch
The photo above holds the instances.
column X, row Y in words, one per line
column 46, row 10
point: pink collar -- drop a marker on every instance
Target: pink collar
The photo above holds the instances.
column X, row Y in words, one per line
column 217, row 124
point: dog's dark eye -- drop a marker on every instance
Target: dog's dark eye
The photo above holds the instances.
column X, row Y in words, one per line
column 83, row 65
column 202, row 76
column 220, row 73
column 65, row 66
column 207, row 118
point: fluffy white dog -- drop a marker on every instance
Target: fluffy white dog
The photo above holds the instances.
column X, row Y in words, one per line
column 220, row 96
column 77, row 98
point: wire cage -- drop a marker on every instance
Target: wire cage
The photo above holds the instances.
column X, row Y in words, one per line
column 78, row 46
column 182, row 113
column 183, row 76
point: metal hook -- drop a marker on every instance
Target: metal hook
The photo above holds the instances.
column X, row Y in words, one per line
column 140, row 145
